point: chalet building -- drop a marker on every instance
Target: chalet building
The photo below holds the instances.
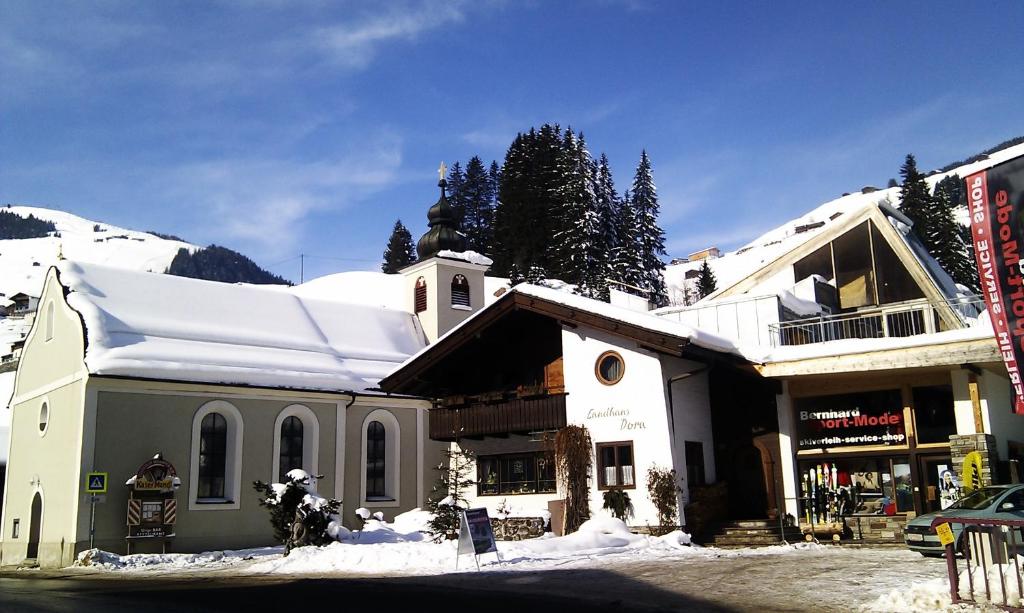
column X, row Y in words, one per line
column 888, row 372
column 508, row 377
column 22, row 304
column 537, row 359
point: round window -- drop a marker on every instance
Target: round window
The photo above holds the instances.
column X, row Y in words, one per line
column 44, row 417
column 610, row 368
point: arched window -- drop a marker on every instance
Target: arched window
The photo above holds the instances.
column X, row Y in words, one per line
column 290, row 456
column 215, row 461
column 420, row 295
column 376, row 460
column 49, row 320
column 460, row 291
column 296, row 437
column 213, row 444
column 380, row 459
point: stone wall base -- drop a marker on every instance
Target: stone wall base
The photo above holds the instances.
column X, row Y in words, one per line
column 517, row 528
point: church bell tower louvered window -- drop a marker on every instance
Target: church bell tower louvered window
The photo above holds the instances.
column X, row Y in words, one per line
column 460, row 291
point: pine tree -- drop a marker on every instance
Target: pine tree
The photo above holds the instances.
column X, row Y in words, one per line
column 706, row 281
column 954, row 249
column 916, row 198
column 515, row 276
column 477, row 199
column 448, row 497
column 526, row 220
column 650, row 235
column 400, row 251
column 580, row 248
column 494, row 177
column 607, row 203
column 934, row 223
column 627, row 257
column 536, row 274
column 456, row 190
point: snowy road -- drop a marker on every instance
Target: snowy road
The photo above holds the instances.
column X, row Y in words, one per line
column 821, row 579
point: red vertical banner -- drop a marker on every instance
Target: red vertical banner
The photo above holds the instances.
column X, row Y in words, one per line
column 994, row 201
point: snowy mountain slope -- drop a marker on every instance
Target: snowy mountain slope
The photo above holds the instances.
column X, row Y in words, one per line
column 733, row 266
column 24, row 262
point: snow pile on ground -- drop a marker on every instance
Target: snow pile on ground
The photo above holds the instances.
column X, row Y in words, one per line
column 933, row 595
column 97, row 558
column 405, row 547
column 996, row 584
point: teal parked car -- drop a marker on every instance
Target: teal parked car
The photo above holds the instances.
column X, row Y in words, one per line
column 994, row 502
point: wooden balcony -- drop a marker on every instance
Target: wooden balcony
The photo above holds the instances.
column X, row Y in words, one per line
column 507, row 416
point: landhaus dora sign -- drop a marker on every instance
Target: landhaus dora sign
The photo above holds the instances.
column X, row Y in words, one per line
column 994, row 200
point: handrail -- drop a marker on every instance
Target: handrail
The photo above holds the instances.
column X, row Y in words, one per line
column 993, row 547
column 900, row 319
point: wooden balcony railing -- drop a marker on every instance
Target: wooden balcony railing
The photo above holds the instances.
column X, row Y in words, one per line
column 509, row 416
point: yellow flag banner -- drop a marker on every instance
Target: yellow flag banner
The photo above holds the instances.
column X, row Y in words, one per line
column 971, row 475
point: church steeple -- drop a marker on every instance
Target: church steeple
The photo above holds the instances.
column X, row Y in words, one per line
column 444, row 227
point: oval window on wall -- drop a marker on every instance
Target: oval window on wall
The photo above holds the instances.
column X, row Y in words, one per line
column 44, row 417
column 610, row 368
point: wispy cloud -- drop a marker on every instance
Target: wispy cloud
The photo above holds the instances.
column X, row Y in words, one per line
column 263, row 203
column 355, row 44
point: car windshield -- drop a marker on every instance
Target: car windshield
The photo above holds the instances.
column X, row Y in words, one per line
column 978, row 500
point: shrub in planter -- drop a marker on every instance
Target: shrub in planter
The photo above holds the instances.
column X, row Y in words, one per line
column 617, row 501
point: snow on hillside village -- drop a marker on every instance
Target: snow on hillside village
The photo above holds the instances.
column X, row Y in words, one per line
column 816, row 397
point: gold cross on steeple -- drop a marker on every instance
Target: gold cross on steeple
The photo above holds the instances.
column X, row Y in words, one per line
column 441, row 171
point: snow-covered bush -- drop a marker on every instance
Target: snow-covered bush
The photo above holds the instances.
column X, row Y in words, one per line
column 448, row 498
column 298, row 514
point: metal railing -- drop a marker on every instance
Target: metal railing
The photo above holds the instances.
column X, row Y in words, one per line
column 893, row 320
column 991, row 551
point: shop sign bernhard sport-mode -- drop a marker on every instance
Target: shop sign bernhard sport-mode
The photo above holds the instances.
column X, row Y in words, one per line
column 865, row 419
column 994, row 200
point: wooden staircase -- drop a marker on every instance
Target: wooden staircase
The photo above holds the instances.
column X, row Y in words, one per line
column 753, row 533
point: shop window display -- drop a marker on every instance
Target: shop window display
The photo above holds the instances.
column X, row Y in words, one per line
column 831, row 490
column 523, row 473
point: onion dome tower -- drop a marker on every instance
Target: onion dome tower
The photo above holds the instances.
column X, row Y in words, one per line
column 444, row 227
column 443, row 290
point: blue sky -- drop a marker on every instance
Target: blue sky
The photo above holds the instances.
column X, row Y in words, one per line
column 278, row 128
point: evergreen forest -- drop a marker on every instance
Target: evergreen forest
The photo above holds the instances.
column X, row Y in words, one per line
column 551, row 210
column 215, row 263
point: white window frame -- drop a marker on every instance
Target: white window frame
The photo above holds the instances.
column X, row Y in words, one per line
column 232, row 459
column 310, row 439
column 392, row 450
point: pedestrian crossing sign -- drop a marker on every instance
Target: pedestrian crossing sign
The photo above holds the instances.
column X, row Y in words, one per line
column 96, row 483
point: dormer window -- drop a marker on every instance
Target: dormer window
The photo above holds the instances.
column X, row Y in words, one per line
column 460, row 292
column 420, row 295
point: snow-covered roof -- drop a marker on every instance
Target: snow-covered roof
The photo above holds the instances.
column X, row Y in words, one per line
column 644, row 320
column 158, row 326
column 375, row 289
column 734, row 266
